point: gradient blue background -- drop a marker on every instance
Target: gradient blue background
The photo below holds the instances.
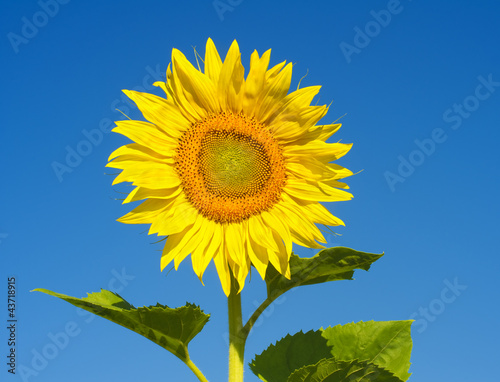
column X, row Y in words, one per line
column 439, row 225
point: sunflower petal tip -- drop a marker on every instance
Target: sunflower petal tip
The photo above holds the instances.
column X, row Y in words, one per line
column 163, row 263
column 234, row 46
column 226, row 289
column 288, row 274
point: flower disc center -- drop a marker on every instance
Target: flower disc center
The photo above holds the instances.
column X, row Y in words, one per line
column 233, row 165
column 230, row 167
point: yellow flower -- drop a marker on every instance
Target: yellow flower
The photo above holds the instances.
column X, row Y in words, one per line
column 232, row 169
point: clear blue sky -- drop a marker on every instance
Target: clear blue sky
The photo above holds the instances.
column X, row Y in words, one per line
column 419, row 84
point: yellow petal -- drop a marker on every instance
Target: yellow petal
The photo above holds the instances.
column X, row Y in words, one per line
column 179, row 215
column 162, row 85
column 255, row 81
column 175, row 244
column 317, row 132
column 137, row 151
column 246, row 263
column 164, row 114
column 294, row 102
column 146, row 212
column 198, row 240
column 126, row 162
column 242, row 274
column 274, row 93
column 178, row 246
column 332, row 183
column 223, row 271
column 321, row 215
column 320, row 150
column 302, row 229
column 260, row 233
column 231, row 80
column 328, row 130
column 305, row 191
column 202, row 256
column 147, row 135
column 273, row 72
column 140, row 193
column 309, row 172
column 296, row 127
column 213, row 63
column 258, row 256
column 149, row 174
column 234, row 242
column 198, row 90
column 277, row 226
column 338, row 172
column 280, row 260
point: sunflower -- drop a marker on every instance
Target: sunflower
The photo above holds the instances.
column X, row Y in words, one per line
column 231, row 169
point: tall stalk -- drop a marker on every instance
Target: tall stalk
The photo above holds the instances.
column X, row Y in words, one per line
column 236, row 337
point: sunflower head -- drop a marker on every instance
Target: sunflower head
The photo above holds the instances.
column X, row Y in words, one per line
column 231, row 169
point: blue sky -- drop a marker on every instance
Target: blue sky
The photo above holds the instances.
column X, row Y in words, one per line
column 419, row 85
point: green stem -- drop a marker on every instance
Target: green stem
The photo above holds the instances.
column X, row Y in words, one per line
column 196, row 371
column 236, row 339
column 245, row 331
column 255, row 316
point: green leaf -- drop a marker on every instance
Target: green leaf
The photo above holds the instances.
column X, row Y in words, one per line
column 332, row 370
column 330, row 264
column 170, row 328
column 278, row 361
column 385, row 343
